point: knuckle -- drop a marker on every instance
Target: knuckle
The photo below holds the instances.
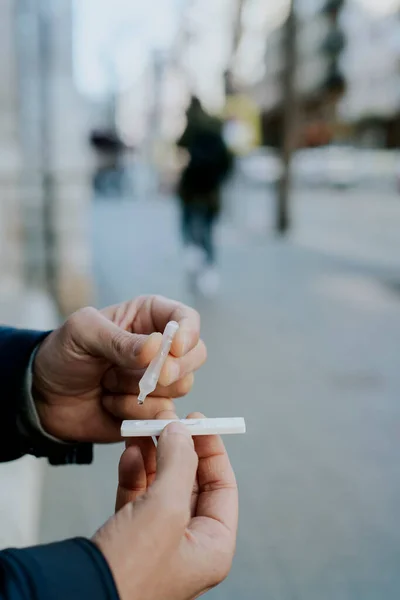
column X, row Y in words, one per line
column 88, row 312
column 184, row 444
column 184, row 386
column 203, row 351
column 123, row 408
column 118, row 342
column 164, row 405
column 142, row 300
column 151, row 300
column 194, row 315
column 194, row 459
column 222, row 565
column 80, row 317
column 195, row 415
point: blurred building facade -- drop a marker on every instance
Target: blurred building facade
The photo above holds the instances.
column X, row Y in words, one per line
column 347, row 75
column 10, row 163
column 319, row 80
column 371, row 65
column 45, row 164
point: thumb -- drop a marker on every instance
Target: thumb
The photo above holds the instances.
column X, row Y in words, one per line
column 100, row 337
column 158, row 521
column 177, row 464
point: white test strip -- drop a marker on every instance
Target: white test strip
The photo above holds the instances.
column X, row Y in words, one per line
column 195, row 426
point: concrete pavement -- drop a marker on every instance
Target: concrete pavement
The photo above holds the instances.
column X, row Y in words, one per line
column 21, row 480
column 304, row 344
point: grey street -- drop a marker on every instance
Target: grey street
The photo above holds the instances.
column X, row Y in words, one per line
column 303, row 342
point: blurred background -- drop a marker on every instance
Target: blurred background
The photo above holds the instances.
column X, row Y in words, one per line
column 292, row 253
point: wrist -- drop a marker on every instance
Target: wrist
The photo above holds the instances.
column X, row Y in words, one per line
column 40, row 366
column 39, row 403
column 44, row 422
column 40, row 437
column 47, row 420
column 114, row 559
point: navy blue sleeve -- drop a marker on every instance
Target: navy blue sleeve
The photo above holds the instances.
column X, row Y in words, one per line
column 16, row 347
column 70, row 570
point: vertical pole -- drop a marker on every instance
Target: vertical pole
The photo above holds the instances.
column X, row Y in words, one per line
column 289, row 122
column 237, row 33
column 26, row 44
column 236, row 37
column 46, row 124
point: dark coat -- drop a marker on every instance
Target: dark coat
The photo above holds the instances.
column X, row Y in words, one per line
column 209, row 160
column 73, row 569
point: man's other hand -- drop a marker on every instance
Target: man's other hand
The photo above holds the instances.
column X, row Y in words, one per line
column 174, row 535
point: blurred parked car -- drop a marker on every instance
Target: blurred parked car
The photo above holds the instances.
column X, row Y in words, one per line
column 327, row 166
column 261, row 166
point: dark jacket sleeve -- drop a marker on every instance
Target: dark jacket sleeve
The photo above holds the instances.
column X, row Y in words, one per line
column 16, row 347
column 71, row 570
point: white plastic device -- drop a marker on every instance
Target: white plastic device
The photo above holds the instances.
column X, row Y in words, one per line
column 149, row 381
column 195, row 426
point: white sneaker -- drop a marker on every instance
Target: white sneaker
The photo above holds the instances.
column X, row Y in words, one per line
column 208, row 282
column 194, row 259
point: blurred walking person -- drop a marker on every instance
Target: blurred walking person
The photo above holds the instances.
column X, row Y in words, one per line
column 209, row 163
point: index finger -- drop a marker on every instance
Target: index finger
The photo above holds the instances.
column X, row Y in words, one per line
column 164, row 310
column 218, row 494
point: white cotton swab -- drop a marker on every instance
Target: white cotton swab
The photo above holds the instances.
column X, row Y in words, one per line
column 149, row 381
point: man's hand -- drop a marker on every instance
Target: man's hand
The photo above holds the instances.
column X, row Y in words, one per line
column 174, row 535
column 86, row 373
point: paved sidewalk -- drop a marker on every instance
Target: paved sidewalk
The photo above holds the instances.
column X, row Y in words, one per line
column 21, row 481
column 356, row 225
column 359, row 225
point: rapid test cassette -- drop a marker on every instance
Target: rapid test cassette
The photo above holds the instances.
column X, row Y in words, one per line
column 219, row 426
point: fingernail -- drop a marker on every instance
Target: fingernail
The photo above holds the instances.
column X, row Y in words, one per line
column 138, row 347
column 177, row 427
